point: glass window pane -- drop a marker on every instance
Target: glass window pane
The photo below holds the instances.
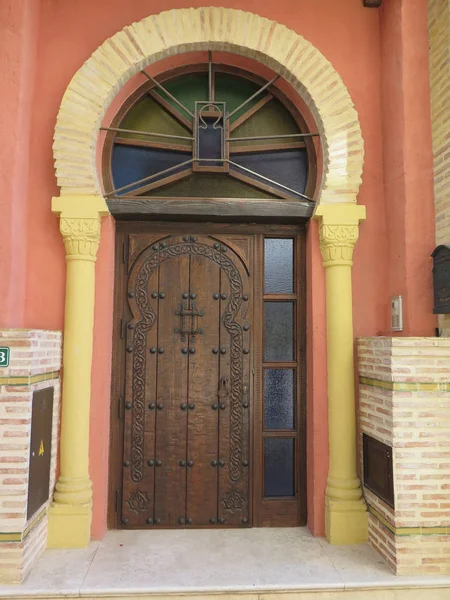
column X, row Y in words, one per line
column 279, row 398
column 278, row 467
column 278, row 266
column 278, row 331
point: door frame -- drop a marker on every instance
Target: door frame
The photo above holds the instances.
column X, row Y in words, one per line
column 115, row 460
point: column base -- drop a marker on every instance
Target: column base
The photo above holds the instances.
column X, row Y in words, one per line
column 346, row 521
column 69, row 525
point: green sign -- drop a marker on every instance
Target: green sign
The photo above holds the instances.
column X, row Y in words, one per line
column 4, row 356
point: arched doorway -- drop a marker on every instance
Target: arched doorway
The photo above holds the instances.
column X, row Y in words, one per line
column 210, row 352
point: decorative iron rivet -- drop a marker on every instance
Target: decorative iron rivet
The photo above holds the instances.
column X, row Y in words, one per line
column 245, row 405
column 193, row 296
column 128, row 405
column 215, row 350
column 130, row 294
column 215, row 406
column 223, row 296
column 191, row 406
column 185, row 296
column 200, row 330
column 126, row 463
column 152, row 350
column 183, row 406
column 182, row 463
column 160, row 406
column 162, row 295
column 190, row 463
column 223, row 249
column 155, row 247
column 181, row 520
column 245, row 297
column 191, row 350
column 157, row 521
column 213, row 521
column 162, row 245
column 154, row 294
column 161, row 350
column 193, row 238
column 189, row 521
column 129, row 348
column 214, row 463
column 245, row 350
column 150, row 463
column 184, row 350
column 130, row 325
column 222, row 406
column 216, row 296
column 223, row 350
column 158, row 463
column 244, row 521
column 186, row 238
column 125, row 521
column 216, row 246
column 149, row 521
column 246, row 327
column 151, row 406
column 221, row 520
column 245, row 463
column 221, row 463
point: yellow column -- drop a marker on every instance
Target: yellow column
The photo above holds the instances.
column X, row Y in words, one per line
column 71, row 509
column 345, row 510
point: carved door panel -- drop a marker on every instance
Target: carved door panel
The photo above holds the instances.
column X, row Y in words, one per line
column 186, row 427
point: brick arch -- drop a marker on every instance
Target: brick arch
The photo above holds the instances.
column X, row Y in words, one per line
column 184, row 30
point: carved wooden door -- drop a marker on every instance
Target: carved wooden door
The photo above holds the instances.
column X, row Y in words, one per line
column 187, row 377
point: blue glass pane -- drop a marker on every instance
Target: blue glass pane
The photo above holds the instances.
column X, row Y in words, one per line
column 288, row 167
column 279, row 398
column 278, row 266
column 132, row 163
column 279, row 477
column 278, row 331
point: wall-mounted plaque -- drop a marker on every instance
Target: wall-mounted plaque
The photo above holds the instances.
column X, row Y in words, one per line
column 40, row 449
column 378, row 472
column 441, row 280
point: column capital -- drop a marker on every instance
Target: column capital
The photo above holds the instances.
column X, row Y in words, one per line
column 339, row 231
column 80, row 221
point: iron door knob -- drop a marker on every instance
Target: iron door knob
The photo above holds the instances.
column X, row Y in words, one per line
column 128, row 405
column 190, row 463
column 158, row 463
column 150, row 463
column 182, row 463
column 183, row 406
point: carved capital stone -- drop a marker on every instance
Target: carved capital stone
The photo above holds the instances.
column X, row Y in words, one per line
column 81, row 237
column 337, row 243
column 338, row 231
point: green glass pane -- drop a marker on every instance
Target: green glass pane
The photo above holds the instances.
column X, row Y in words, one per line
column 148, row 115
column 187, row 89
column 234, row 91
column 272, row 119
column 209, row 185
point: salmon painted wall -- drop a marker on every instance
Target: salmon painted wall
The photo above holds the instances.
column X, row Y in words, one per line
column 349, row 36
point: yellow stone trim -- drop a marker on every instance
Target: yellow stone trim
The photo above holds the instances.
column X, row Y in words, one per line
column 405, row 531
column 221, row 29
column 19, row 537
column 406, row 386
column 28, row 380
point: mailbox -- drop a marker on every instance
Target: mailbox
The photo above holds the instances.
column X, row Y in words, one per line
column 441, row 280
column 378, row 469
column 40, row 449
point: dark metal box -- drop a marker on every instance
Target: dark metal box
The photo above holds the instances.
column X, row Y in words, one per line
column 441, row 280
column 378, row 472
column 40, row 449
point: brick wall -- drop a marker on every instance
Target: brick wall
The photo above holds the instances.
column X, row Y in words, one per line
column 439, row 33
column 34, row 364
column 404, row 392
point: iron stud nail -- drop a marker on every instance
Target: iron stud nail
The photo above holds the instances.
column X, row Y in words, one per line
column 215, row 406
column 157, row 521
column 216, row 296
column 184, row 350
column 216, row 246
column 223, row 296
column 182, row 463
column 245, row 297
column 162, row 295
column 221, row 520
column 181, row 520
column 185, row 296
column 128, row 405
column 126, row 463
column 125, row 521
column 215, row 350
column 129, row 348
column 152, row 350
column 223, row 350
column 192, row 350
column 155, row 247
column 223, row 406
column 130, row 294
column 189, row 521
column 151, row 406
column 214, row 463
column 221, row 463
column 193, row 296
column 246, row 327
column 160, row 406
column 190, row 463
column 158, row 463
column 162, row 245
column 161, row 350
column 183, row 406
column 130, row 326
column 245, row 463
column 244, row 521
column 223, row 248
column 150, row 463
column 193, row 238
column 191, row 406
column 245, row 405
column 185, row 238
column 245, row 351
column 213, row 521
column 154, row 294
column 149, row 521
